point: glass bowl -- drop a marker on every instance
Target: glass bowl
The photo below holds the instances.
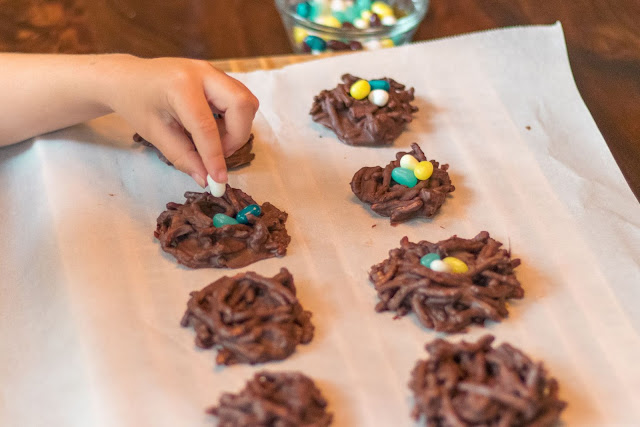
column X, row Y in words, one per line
column 319, row 25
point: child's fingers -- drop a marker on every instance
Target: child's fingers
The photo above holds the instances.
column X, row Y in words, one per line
column 178, row 149
column 194, row 113
column 239, row 106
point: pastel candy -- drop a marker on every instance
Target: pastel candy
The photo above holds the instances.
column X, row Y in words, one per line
column 360, row 89
column 360, row 23
column 388, row 21
column 303, row 9
column 254, row 210
column 428, row 259
column 456, row 265
column 379, row 84
column 423, row 170
column 299, row 34
column 440, row 266
column 404, row 176
column 379, row 97
column 220, row 220
column 408, row 162
column 315, row 43
column 217, row 189
column 329, row 21
column 381, row 9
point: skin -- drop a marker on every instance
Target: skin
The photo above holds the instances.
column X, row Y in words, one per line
column 158, row 97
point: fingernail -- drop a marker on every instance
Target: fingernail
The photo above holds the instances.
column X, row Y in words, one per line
column 221, row 176
column 200, row 180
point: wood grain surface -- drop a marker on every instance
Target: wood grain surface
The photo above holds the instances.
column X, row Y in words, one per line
column 603, row 39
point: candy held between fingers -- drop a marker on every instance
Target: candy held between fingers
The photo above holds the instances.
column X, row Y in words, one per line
column 456, row 265
column 404, row 177
column 217, row 189
column 220, row 220
column 428, row 259
column 440, row 266
column 254, row 210
column 408, row 162
column 360, row 89
column 379, row 97
column 423, row 170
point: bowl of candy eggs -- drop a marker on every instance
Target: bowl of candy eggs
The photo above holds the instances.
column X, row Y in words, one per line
column 317, row 26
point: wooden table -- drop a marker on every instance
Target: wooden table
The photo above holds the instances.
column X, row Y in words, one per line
column 603, row 39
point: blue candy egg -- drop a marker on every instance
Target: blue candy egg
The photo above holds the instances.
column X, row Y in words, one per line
column 428, row 259
column 303, row 9
column 251, row 209
column 404, row 176
column 379, row 84
column 315, row 43
column 220, row 220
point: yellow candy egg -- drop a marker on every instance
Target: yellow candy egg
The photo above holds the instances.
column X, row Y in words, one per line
column 386, row 43
column 423, row 170
column 328, row 21
column 381, row 9
column 457, row 266
column 366, row 15
column 299, row 34
column 360, row 89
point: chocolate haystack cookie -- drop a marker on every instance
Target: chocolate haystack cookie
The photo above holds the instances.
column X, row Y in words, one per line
column 186, row 231
column 250, row 318
column 280, row 399
column 474, row 384
column 240, row 157
column 360, row 121
column 374, row 186
column 446, row 300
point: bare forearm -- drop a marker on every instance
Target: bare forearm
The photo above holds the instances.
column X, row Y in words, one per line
column 42, row 93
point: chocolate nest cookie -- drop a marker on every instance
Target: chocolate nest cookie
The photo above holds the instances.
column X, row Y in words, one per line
column 240, row 157
column 249, row 318
column 375, row 186
column 282, row 399
column 360, row 121
column 474, row 384
column 186, row 231
column 445, row 298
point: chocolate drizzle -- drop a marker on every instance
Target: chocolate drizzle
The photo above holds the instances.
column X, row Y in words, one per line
column 250, row 318
column 474, row 384
column 186, row 231
column 278, row 399
column 240, row 157
column 448, row 302
column 359, row 122
column 374, row 186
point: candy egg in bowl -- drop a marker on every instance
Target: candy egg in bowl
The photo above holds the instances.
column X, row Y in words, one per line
column 316, row 26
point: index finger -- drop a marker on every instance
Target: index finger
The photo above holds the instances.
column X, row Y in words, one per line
column 194, row 113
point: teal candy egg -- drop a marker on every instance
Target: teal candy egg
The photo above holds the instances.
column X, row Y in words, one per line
column 303, row 9
column 316, row 43
column 404, row 176
column 379, row 84
column 220, row 220
column 251, row 209
column 428, row 259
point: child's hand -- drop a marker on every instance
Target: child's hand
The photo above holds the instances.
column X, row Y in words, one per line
column 160, row 97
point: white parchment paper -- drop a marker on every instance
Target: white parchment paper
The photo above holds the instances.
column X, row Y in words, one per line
column 90, row 305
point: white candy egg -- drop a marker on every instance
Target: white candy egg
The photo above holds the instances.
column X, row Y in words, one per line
column 388, row 21
column 439, row 265
column 379, row 97
column 217, row 189
column 372, row 44
column 408, row 162
column 338, row 5
column 360, row 23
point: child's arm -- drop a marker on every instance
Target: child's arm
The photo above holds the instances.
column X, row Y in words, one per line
column 157, row 97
